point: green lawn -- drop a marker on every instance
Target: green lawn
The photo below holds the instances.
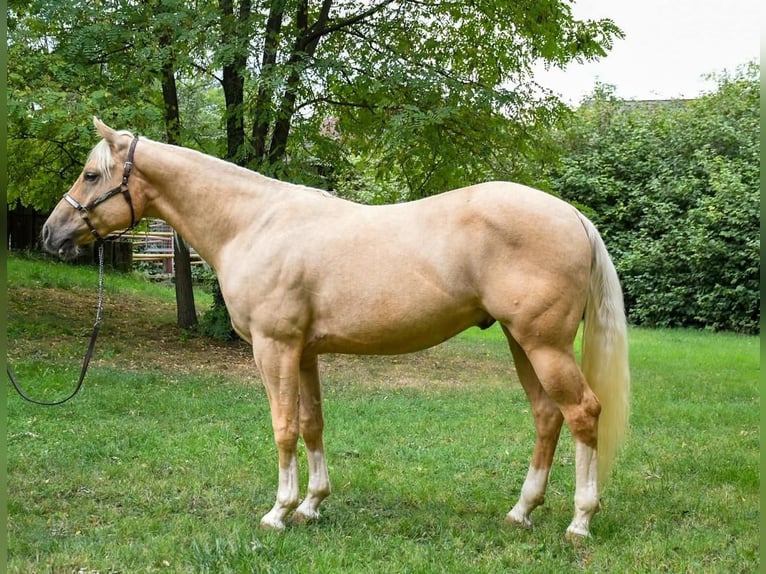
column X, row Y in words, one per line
column 166, row 462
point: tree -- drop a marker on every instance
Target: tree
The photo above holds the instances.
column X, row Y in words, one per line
column 412, row 85
column 63, row 44
column 674, row 188
column 46, row 90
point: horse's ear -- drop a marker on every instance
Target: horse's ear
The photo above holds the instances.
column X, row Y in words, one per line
column 106, row 132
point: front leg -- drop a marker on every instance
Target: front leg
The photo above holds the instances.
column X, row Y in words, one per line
column 287, row 492
column 278, row 363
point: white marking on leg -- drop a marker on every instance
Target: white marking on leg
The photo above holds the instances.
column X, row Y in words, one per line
column 318, row 488
column 586, row 490
column 287, row 496
column 532, row 496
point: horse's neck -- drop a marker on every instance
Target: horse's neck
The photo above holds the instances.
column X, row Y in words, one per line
column 206, row 200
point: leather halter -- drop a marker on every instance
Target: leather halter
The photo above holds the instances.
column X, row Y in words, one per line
column 122, row 188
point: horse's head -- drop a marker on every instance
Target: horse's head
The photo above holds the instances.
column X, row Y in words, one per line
column 102, row 199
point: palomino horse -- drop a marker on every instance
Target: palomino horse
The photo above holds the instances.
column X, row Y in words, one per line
column 304, row 273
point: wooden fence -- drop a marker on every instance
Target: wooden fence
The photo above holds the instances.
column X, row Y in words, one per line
column 156, row 245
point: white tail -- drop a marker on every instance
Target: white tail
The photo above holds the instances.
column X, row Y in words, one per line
column 605, row 352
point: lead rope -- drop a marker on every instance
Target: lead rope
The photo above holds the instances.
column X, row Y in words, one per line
column 91, row 345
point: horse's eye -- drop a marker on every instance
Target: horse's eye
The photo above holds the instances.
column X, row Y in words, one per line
column 90, row 176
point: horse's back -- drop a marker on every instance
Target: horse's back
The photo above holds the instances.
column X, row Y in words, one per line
column 511, row 213
column 507, row 226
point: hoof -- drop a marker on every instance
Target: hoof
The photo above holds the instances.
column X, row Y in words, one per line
column 519, row 522
column 577, row 537
column 304, row 518
column 271, row 523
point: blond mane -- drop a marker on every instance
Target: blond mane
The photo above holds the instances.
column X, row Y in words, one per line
column 101, row 155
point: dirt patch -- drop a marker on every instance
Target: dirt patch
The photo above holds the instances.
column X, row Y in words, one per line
column 135, row 334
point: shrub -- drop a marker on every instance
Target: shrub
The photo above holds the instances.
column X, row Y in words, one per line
column 674, row 188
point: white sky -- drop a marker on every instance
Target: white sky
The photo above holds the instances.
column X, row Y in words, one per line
column 668, row 46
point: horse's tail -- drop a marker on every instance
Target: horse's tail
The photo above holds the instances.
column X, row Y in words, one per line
column 605, row 352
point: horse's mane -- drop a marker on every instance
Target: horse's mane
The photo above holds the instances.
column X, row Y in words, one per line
column 101, row 155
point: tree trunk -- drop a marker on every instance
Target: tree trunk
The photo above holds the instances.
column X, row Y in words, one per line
column 235, row 34
column 263, row 102
column 186, row 310
column 304, row 48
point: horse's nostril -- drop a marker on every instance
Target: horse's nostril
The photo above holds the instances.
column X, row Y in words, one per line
column 46, row 234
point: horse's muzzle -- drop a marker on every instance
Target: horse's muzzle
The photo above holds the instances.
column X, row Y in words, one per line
column 63, row 246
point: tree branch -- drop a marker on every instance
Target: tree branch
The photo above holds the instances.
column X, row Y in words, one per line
column 336, row 103
column 206, row 71
column 317, row 32
column 104, row 57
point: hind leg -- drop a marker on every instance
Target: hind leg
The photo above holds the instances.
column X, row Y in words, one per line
column 564, row 383
column 548, row 422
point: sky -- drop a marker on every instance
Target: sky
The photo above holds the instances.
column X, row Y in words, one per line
column 669, row 46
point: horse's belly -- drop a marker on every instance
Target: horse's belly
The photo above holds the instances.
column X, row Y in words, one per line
column 390, row 335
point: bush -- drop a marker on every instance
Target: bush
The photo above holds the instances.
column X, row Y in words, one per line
column 216, row 323
column 674, row 188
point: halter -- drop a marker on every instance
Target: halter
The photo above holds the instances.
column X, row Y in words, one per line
column 122, row 188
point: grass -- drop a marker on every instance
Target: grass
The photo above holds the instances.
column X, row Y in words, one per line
column 165, row 462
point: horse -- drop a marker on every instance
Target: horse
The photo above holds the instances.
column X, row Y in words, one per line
column 304, row 272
